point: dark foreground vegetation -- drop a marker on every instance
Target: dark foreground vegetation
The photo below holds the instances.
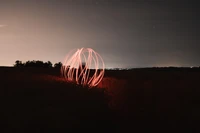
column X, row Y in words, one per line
column 157, row 99
column 38, row 100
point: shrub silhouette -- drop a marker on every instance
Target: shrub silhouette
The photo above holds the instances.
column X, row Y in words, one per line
column 18, row 63
column 33, row 63
column 48, row 64
column 58, row 65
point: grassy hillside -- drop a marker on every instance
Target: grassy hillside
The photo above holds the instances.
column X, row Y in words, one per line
column 140, row 100
column 37, row 100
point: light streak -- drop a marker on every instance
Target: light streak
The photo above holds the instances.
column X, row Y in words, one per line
column 84, row 66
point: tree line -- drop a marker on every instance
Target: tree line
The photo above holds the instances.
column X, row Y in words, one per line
column 37, row 63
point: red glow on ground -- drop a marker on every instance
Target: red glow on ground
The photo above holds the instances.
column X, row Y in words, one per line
column 85, row 67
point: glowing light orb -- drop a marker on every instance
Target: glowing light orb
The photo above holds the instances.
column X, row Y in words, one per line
column 84, row 66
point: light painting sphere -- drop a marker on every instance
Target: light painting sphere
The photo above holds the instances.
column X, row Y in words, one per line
column 83, row 66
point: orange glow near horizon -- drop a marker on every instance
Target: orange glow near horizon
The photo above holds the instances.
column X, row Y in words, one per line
column 85, row 67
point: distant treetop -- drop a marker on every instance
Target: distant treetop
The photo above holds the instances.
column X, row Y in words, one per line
column 37, row 63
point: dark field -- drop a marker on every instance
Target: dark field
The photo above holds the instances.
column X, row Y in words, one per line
column 139, row 100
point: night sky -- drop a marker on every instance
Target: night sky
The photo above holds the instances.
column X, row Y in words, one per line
column 126, row 33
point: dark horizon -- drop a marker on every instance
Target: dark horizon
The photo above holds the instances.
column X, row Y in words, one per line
column 114, row 68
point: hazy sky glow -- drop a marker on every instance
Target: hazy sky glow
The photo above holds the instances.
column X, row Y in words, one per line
column 126, row 33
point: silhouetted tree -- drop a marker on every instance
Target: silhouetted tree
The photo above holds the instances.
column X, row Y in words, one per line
column 18, row 63
column 39, row 63
column 33, row 63
column 48, row 64
column 58, row 65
